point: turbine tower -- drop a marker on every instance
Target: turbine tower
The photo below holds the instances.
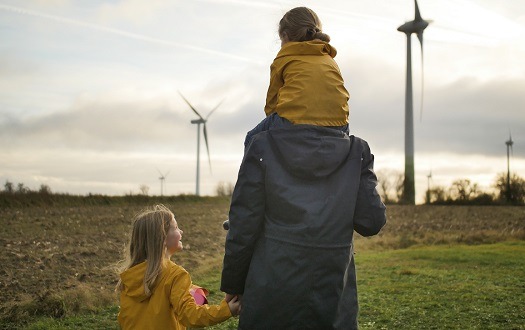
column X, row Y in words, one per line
column 509, row 144
column 417, row 26
column 200, row 121
column 162, row 178
column 429, row 177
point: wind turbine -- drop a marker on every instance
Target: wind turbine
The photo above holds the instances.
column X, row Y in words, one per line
column 162, row 178
column 200, row 121
column 417, row 26
column 429, row 177
column 509, row 144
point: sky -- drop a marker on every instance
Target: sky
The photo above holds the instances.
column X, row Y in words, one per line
column 90, row 103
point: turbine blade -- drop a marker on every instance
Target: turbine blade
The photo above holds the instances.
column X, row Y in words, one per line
column 159, row 171
column 206, row 141
column 191, row 106
column 208, row 116
column 166, row 175
column 420, row 37
column 417, row 15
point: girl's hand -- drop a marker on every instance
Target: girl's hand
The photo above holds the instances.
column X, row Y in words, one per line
column 235, row 305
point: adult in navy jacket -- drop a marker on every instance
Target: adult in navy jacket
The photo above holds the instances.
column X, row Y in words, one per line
column 301, row 192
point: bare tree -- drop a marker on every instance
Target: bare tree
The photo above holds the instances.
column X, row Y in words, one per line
column 224, row 189
column 513, row 192
column 44, row 189
column 385, row 184
column 144, row 189
column 436, row 194
column 21, row 189
column 463, row 190
column 390, row 185
column 9, row 187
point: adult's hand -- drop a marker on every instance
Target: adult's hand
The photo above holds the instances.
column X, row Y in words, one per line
column 229, row 297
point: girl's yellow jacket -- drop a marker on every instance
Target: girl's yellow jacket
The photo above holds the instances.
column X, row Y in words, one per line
column 170, row 306
column 306, row 86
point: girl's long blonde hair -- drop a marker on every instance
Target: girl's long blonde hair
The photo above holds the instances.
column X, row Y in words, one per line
column 148, row 236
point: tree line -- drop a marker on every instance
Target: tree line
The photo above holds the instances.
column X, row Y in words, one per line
column 461, row 191
column 390, row 187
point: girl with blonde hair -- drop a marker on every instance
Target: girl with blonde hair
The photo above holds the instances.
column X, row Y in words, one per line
column 155, row 291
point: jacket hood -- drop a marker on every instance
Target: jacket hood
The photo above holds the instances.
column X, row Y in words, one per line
column 313, row 47
column 133, row 280
column 310, row 151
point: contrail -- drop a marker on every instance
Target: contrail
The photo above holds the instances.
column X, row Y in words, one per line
column 286, row 5
column 247, row 3
column 135, row 36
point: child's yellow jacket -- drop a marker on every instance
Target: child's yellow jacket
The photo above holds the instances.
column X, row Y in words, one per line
column 171, row 306
column 306, row 86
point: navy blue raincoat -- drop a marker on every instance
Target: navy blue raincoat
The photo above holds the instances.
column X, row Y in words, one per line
column 301, row 192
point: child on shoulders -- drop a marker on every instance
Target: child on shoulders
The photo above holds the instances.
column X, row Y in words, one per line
column 306, row 86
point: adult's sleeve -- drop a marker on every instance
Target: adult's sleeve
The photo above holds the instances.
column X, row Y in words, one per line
column 370, row 212
column 246, row 220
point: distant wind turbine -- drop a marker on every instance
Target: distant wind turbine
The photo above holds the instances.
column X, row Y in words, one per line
column 429, row 177
column 509, row 144
column 162, row 178
column 417, row 26
column 200, row 121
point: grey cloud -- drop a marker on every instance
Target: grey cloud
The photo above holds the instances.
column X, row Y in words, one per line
column 100, row 126
column 468, row 116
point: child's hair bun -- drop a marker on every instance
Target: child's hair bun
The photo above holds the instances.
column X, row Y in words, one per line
column 322, row 36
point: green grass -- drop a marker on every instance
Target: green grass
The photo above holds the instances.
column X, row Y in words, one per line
column 435, row 287
column 439, row 287
column 103, row 320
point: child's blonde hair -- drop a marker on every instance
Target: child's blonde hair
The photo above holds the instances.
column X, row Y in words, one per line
column 301, row 24
column 147, row 242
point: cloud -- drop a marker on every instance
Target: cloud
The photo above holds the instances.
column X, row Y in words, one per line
column 96, row 125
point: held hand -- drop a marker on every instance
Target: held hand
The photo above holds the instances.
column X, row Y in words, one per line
column 234, row 304
column 229, row 297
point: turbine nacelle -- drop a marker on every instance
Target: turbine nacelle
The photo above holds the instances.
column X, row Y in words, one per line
column 509, row 142
column 198, row 121
column 415, row 26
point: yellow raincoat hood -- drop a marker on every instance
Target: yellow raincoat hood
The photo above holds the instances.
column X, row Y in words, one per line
column 314, row 47
column 133, row 281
